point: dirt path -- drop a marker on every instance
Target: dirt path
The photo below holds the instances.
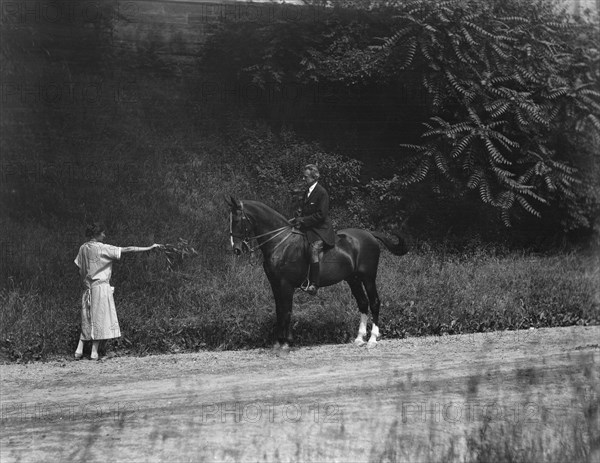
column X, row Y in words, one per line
column 414, row 399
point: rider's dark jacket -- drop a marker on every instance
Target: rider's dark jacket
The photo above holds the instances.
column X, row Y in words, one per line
column 314, row 218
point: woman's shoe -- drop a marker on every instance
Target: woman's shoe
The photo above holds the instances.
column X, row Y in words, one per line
column 78, row 356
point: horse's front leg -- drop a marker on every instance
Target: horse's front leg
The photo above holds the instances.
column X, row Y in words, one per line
column 283, row 293
column 276, row 289
column 287, row 301
column 284, row 314
column 278, row 333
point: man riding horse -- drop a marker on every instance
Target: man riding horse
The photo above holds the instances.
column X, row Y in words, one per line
column 354, row 258
column 314, row 220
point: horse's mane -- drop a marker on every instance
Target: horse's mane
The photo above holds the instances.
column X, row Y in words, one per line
column 265, row 208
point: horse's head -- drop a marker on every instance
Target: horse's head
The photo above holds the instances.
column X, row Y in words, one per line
column 240, row 227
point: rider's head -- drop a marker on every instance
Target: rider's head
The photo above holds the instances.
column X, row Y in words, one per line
column 311, row 174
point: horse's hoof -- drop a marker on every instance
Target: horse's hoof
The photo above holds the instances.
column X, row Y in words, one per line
column 284, row 351
column 371, row 344
column 359, row 342
column 276, row 346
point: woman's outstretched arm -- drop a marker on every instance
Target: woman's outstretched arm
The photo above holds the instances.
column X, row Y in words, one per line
column 140, row 249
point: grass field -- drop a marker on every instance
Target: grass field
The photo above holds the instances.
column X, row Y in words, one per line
column 422, row 293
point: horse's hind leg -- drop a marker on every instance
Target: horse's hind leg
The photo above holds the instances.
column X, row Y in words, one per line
column 363, row 306
column 374, row 303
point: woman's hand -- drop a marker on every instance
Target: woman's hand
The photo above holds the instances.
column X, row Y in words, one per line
column 160, row 246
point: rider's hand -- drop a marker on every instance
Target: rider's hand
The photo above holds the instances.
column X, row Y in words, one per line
column 160, row 246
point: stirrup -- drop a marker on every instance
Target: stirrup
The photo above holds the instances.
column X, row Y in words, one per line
column 305, row 285
column 313, row 291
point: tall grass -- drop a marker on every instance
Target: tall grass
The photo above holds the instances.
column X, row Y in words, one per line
column 232, row 307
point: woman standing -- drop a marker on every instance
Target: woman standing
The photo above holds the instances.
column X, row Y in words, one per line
column 98, row 314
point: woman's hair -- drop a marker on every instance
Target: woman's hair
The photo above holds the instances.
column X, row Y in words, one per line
column 313, row 169
column 94, row 229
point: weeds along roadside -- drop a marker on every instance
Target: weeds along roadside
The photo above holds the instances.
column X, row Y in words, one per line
column 421, row 293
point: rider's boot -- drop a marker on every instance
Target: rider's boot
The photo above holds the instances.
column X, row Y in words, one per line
column 314, row 279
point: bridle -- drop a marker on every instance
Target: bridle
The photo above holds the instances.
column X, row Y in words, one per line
column 246, row 238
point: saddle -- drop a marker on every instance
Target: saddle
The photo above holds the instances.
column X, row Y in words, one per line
column 306, row 257
column 326, row 247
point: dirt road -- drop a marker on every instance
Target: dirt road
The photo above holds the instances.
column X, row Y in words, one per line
column 407, row 400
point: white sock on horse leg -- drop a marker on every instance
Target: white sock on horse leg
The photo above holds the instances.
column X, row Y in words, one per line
column 375, row 331
column 362, row 328
column 374, row 334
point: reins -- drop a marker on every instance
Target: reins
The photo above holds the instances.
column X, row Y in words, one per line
column 278, row 232
column 246, row 239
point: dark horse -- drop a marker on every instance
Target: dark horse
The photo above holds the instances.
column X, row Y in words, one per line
column 354, row 259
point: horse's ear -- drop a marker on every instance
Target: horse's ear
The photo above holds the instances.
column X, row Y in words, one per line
column 234, row 203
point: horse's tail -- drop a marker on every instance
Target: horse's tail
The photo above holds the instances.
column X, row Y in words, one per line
column 398, row 249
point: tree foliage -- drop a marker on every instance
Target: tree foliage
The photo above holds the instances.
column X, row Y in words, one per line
column 513, row 94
